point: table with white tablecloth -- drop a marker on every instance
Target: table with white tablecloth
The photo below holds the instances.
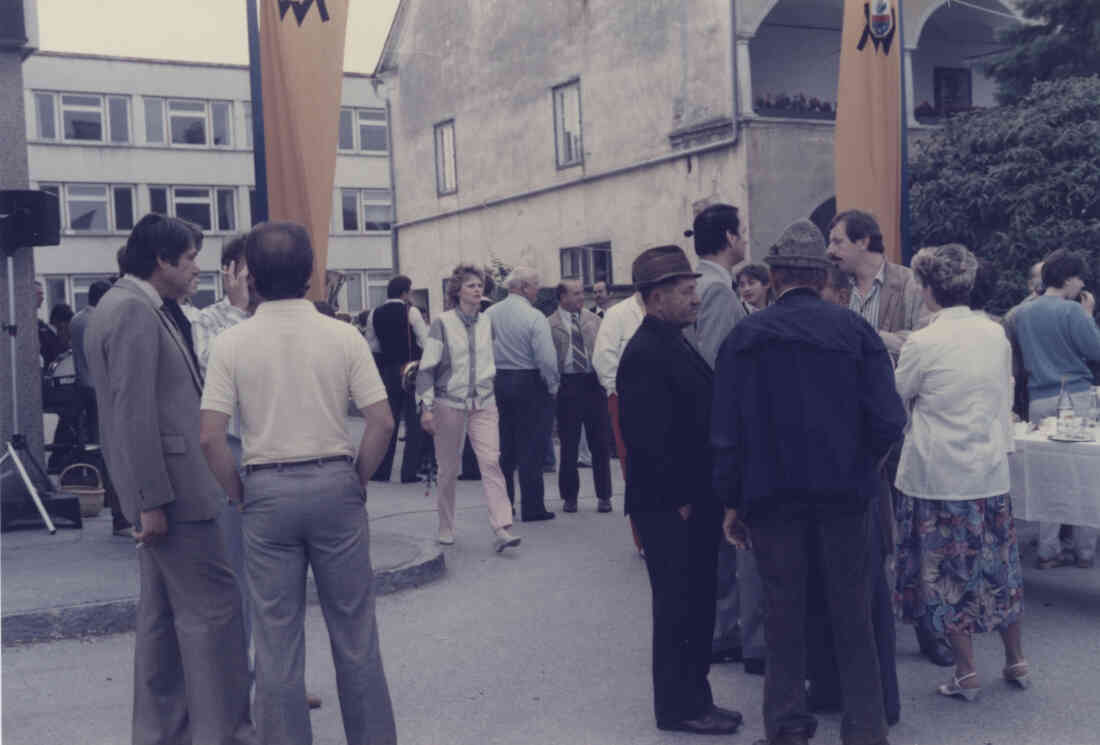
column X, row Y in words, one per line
column 1057, row 482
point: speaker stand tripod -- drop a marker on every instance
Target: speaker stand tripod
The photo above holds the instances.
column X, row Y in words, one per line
column 41, row 501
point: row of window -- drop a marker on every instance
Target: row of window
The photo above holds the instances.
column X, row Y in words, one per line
column 179, row 122
column 568, row 145
column 361, row 290
column 111, row 208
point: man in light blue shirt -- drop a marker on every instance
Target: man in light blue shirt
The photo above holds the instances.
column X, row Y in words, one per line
column 526, row 382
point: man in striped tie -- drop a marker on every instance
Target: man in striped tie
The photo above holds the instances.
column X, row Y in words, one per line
column 581, row 398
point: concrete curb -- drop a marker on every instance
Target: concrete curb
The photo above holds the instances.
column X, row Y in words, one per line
column 119, row 616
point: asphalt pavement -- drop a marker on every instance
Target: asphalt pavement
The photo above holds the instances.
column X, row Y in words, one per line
column 550, row 644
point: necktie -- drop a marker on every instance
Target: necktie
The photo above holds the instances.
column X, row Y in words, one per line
column 580, row 356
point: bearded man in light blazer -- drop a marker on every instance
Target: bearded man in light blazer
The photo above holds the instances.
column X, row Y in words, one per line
column 581, row 399
column 191, row 677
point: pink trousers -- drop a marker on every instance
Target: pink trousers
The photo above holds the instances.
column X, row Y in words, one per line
column 483, row 428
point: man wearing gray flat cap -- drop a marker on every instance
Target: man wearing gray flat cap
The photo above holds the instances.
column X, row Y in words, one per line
column 814, row 385
column 665, row 389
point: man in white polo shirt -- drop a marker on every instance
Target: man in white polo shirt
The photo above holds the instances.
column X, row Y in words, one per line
column 291, row 371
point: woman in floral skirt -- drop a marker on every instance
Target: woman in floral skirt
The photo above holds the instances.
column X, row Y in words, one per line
column 959, row 561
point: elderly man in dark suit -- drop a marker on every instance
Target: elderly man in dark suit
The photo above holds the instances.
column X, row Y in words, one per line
column 581, row 399
column 665, row 390
column 191, row 676
column 805, row 411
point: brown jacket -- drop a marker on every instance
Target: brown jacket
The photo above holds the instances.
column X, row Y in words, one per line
column 901, row 307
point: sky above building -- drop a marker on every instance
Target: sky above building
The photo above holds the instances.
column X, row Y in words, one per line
column 200, row 30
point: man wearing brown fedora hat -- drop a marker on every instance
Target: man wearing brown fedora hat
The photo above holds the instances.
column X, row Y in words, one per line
column 803, row 482
column 665, row 389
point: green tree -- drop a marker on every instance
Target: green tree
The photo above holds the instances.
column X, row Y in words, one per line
column 1015, row 182
column 1061, row 40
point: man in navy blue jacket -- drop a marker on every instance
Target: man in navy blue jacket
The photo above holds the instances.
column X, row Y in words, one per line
column 804, row 412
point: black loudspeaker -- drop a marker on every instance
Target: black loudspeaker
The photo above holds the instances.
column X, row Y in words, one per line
column 29, row 218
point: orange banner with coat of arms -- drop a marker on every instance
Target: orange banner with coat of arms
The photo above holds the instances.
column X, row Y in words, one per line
column 302, row 67
column 869, row 116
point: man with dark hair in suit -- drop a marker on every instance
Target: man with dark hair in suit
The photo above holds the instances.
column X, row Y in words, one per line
column 396, row 332
column 190, row 665
column 665, row 389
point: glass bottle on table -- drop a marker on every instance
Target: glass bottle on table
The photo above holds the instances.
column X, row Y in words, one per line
column 1067, row 417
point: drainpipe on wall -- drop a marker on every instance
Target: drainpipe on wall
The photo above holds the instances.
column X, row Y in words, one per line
column 736, row 92
column 394, row 230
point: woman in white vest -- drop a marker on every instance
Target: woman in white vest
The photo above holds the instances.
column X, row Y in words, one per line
column 454, row 390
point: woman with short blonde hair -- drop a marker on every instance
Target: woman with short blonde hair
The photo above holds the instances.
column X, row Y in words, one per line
column 959, row 562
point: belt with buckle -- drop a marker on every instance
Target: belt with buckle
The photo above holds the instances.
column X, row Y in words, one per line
column 295, row 463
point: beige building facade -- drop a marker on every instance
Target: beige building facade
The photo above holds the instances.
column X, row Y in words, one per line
column 572, row 135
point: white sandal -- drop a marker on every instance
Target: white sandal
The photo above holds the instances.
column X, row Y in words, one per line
column 1018, row 674
column 954, row 689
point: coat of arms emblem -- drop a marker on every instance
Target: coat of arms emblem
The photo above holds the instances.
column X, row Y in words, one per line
column 881, row 25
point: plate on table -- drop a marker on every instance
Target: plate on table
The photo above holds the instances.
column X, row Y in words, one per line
column 1071, row 438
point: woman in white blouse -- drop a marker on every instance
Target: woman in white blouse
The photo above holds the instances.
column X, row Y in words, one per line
column 959, row 561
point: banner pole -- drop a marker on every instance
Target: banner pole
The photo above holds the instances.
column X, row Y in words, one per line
column 259, row 151
column 903, row 211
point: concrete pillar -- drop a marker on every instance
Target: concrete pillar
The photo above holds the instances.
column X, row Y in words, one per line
column 744, row 76
column 14, row 175
column 911, row 105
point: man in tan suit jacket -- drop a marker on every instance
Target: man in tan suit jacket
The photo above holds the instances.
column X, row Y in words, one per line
column 191, row 677
column 581, row 399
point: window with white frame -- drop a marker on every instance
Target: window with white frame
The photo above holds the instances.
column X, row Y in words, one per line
column 246, row 108
column 363, row 290
column 94, row 208
column 81, row 284
column 207, row 293
column 363, row 130
column 446, row 177
column 211, row 208
column 590, row 264
column 188, row 122
column 365, row 210
column 82, row 117
column 567, row 124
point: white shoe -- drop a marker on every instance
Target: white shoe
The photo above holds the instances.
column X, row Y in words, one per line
column 504, row 540
column 446, row 540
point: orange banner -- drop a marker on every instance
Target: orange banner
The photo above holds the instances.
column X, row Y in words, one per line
column 302, row 67
column 869, row 117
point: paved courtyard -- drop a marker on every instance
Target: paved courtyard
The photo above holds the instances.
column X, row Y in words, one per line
column 550, row 645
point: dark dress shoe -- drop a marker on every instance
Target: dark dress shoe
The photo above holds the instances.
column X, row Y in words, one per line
column 730, row 714
column 313, row 701
column 935, row 648
column 710, row 723
column 727, row 654
column 570, row 506
column 754, row 666
column 547, row 515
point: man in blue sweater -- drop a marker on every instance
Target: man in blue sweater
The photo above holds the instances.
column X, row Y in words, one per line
column 1057, row 340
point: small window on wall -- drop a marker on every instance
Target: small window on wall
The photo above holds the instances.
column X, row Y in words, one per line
column 211, row 209
column 124, row 207
column 377, row 209
column 87, row 207
column 590, row 264
column 158, row 199
column 247, row 110
column 952, row 87
column 376, row 287
column 446, row 178
column 154, row 120
column 118, row 108
column 207, row 294
column 45, row 115
column 81, row 284
column 194, row 205
column 56, row 293
column 187, row 122
column 353, row 289
column 347, row 129
column 82, row 117
column 567, row 124
column 372, row 131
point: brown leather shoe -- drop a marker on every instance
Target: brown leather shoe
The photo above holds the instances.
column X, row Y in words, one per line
column 313, row 701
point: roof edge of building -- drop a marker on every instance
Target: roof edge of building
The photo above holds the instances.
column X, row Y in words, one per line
column 155, row 61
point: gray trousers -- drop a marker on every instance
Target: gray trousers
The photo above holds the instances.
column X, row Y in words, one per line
column 313, row 515
column 231, row 524
column 190, row 663
column 727, row 631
